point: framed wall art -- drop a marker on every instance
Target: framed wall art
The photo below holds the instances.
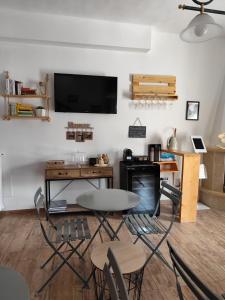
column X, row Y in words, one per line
column 192, row 110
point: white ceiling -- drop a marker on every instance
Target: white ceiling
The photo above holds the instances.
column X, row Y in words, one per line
column 164, row 14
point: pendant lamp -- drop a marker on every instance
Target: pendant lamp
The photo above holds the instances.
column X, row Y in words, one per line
column 202, row 27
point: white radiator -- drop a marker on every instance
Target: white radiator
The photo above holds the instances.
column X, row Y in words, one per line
column 1, row 192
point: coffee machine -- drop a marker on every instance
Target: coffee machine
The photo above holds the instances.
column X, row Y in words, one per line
column 127, row 155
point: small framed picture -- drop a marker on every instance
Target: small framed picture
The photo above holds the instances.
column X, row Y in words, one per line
column 79, row 136
column 192, row 110
column 88, row 135
column 70, row 135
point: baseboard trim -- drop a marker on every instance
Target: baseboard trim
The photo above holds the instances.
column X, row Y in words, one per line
column 17, row 212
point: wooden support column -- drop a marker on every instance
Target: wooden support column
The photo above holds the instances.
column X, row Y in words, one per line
column 189, row 184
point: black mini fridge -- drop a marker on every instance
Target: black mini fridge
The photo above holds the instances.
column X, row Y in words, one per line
column 142, row 178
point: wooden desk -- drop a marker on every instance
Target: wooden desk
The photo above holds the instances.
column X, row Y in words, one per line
column 189, row 184
column 71, row 172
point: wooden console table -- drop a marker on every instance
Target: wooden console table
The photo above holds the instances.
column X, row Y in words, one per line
column 189, row 184
column 71, row 172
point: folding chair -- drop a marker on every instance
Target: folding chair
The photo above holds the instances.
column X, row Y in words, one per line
column 143, row 225
column 197, row 287
column 115, row 282
column 60, row 234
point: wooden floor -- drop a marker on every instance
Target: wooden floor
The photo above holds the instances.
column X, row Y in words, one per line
column 202, row 245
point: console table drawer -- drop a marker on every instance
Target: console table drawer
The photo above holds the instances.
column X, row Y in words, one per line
column 97, row 172
column 57, row 174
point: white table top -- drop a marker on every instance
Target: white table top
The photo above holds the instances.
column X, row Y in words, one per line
column 12, row 285
column 108, row 200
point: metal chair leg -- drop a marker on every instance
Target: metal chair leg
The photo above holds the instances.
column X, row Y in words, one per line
column 64, row 261
column 75, row 249
column 53, row 254
column 155, row 250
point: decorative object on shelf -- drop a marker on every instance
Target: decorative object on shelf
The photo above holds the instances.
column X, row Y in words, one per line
column 101, row 160
column 79, row 158
column 137, row 131
column 172, row 141
column 152, row 87
column 105, row 158
column 40, row 111
column 12, row 109
column 202, row 27
column 42, row 86
column 192, row 110
column 221, row 137
column 79, row 132
column 21, row 110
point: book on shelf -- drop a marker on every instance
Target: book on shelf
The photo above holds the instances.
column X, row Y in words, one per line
column 24, row 107
column 24, row 115
column 57, row 206
column 18, row 87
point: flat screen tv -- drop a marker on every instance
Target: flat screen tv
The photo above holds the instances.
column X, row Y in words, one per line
column 85, row 93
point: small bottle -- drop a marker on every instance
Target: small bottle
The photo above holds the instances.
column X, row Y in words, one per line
column 7, row 84
column 101, row 160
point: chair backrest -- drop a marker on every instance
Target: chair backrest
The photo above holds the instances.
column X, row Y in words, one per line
column 39, row 202
column 116, row 284
column 173, row 194
column 198, row 288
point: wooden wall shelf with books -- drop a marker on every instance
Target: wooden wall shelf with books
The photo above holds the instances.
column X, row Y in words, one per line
column 25, row 117
column 17, row 101
column 25, row 96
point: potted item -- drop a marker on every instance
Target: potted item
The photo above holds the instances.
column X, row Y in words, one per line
column 40, row 111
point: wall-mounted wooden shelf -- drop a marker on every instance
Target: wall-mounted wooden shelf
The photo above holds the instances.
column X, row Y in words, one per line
column 25, row 117
column 25, row 96
column 19, row 109
column 151, row 87
column 168, row 166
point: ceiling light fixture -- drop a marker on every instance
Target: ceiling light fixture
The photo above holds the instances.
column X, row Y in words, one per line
column 202, row 27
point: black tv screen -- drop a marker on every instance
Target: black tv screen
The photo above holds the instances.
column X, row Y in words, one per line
column 85, row 93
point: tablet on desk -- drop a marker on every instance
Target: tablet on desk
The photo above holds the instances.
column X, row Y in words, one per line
column 198, row 144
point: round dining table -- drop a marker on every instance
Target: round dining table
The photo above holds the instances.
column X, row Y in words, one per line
column 108, row 200
column 12, row 285
column 105, row 201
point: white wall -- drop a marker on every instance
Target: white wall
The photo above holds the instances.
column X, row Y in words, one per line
column 29, row 143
